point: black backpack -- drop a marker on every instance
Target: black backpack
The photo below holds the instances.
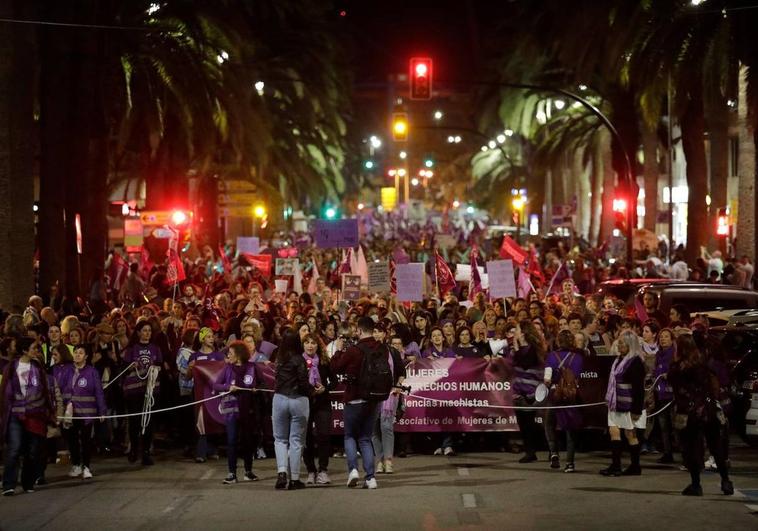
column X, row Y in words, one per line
column 375, row 379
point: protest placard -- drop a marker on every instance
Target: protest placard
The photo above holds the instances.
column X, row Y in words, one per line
column 336, row 233
column 280, row 285
column 379, row 276
column 463, row 272
column 286, row 266
column 351, row 287
column 248, row 244
column 410, row 282
column 502, row 281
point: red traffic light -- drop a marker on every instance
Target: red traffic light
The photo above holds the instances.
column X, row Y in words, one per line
column 619, row 205
column 722, row 227
column 421, row 78
column 179, row 217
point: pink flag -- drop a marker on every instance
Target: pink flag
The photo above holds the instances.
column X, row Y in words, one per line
column 314, row 277
column 361, row 267
column 475, row 285
column 345, row 266
column 524, row 286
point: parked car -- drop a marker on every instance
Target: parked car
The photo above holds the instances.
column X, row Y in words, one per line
column 732, row 317
column 700, row 297
column 739, row 344
column 626, row 289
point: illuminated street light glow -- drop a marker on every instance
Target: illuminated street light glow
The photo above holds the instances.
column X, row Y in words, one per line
column 485, row 148
column 456, row 203
column 559, row 104
column 492, row 144
column 222, row 57
column 153, row 8
column 259, row 86
column 469, row 209
column 401, row 172
column 124, row 209
column 414, row 181
column 392, row 172
column 500, row 139
column 457, row 139
column 541, row 117
column 403, row 155
column 361, row 206
column 582, row 87
column 376, row 142
column 508, row 132
column 518, row 203
column 437, row 114
column 450, row 139
column 259, row 211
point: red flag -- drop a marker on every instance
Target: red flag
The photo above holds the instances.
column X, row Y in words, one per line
column 145, row 264
column 445, row 278
column 534, row 266
column 175, row 270
column 640, row 310
column 511, row 249
column 261, row 262
column 524, row 286
column 209, row 313
column 224, row 259
column 475, row 286
column 117, row 271
column 345, row 267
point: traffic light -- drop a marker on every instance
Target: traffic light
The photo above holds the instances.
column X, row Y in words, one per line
column 421, row 78
column 619, row 214
column 400, row 126
column 329, row 212
column 722, row 227
column 179, row 218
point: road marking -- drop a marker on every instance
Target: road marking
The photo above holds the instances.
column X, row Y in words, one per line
column 208, row 474
column 752, row 508
column 469, row 501
column 171, row 506
column 463, row 471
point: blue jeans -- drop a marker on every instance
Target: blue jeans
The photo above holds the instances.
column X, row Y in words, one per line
column 384, row 437
column 290, row 419
column 359, row 427
column 20, row 443
column 238, row 428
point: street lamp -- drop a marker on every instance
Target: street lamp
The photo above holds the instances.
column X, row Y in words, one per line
column 518, row 203
column 258, row 212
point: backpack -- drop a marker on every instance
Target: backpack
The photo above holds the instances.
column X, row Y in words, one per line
column 566, row 389
column 375, row 379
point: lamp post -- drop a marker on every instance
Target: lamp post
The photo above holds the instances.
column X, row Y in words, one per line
column 518, row 203
column 258, row 212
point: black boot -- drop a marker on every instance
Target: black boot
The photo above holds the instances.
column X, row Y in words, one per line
column 634, row 469
column 615, row 468
column 281, row 481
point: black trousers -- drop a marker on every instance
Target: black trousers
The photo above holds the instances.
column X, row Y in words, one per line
column 79, row 437
column 135, row 405
column 531, row 433
column 691, row 439
column 318, row 437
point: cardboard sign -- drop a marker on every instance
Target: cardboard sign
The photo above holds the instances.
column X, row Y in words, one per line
column 336, row 233
column 351, row 287
column 463, row 272
column 378, row 276
column 446, row 241
column 280, row 285
column 248, row 244
column 501, row 279
column 410, row 282
column 286, row 266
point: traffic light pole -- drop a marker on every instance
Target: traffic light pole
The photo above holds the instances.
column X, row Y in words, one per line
column 629, row 173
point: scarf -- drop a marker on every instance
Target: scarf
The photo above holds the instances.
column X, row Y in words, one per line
column 389, row 406
column 618, row 368
column 651, row 349
column 314, row 377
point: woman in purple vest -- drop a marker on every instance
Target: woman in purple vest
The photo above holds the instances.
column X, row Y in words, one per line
column 625, row 396
column 206, row 352
column 663, row 392
column 437, row 347
column 142, row 355
column 87, row 400
column 238, row 378
column 528, row 359
column 569, row 420
column 26, row 411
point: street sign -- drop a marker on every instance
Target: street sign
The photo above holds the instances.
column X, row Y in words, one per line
column 163, row 233
column 155, row 217
column 237, row 186
column 238, row 198
column 236, row 211
column 133, row 235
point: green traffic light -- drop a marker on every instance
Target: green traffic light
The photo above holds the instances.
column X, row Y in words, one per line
column 369, row 164
column 330, row 213
column 428, row 163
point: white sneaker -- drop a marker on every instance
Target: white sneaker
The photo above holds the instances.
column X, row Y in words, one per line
column 380, row 468
column 260, row 454
column 449, row 451
column 352, row 478
column 438, row 451
column 371, row 484
column 710, row 464
column 86, row 473
column 311, row 479
column 322, row 478
column 75, row 471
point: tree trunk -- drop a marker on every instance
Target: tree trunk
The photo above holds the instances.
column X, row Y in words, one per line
column 596, row 185
column 627, row 124
column 718, row 134
column 746, row 240
column 17, row 54
column 693, row 135
column 651, row 173
column 604, row 157
column 582, row 187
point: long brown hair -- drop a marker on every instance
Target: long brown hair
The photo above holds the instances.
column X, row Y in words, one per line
column 319, row 347
column 533, row 338
column 687, row 354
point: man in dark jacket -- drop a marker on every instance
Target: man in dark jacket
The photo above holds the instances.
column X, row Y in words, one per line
column 359, row 414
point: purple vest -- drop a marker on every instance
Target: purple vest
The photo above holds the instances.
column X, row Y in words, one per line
column 62, row 374
column 663, row 358
column 525, row 381
column 243, row 376
column 623, row 395
column 143, row 356
column 206, row 356
column 87, row 393
column 432, row 352
column 35, row 402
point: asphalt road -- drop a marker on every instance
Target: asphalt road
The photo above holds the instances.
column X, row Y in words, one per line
column 468, row 491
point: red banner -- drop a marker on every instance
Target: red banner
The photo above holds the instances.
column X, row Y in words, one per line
column 262, row 262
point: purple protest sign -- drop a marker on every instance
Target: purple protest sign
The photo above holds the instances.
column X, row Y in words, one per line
column 410, row 282
column 336, row 233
